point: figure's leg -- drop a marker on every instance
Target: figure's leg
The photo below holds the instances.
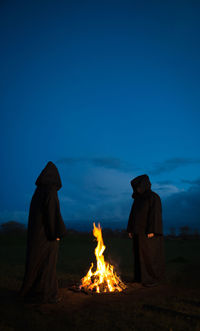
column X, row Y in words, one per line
column 47, row 282
column 151, row 260
column 137, row 271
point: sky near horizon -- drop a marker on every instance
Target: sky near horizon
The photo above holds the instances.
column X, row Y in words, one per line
column 107, row 90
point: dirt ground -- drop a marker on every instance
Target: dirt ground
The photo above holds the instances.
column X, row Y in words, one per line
column 172, row 306
column 137, row 308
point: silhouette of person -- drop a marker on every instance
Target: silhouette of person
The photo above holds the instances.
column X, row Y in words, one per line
column 45, row 228
column 145, row 228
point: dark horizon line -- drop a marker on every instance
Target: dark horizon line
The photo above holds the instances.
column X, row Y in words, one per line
column 86, row 228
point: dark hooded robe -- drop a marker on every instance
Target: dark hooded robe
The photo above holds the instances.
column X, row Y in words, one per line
column 45, row 225
column 145, row 218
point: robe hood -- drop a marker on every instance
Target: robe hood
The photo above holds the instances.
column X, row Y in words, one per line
column 142, row 182
column 49, row 177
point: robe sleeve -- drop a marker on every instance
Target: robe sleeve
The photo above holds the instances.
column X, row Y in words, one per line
column 154, row 222
column 54, row 224
column 130, row 221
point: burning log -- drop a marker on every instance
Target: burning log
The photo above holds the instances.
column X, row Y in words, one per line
column 103, row 279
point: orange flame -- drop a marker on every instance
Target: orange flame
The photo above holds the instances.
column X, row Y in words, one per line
column 103, row 279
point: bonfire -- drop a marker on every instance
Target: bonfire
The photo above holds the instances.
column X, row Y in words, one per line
column 103, row 279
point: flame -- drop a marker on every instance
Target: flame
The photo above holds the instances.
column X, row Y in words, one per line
column 103, row 279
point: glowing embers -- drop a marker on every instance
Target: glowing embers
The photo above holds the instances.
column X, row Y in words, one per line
column 103, row 279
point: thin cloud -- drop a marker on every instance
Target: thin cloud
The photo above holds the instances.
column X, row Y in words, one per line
column 172, row 164
column 66, row 199
column 165, row 190
column 111, row 163
column 192, row 182
column 71, row 160
column 97, row 193
column 183, row 208
column 102, row 162
column 165, row 182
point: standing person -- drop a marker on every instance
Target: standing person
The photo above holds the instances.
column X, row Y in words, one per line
column 45, row 228
column 145, row 228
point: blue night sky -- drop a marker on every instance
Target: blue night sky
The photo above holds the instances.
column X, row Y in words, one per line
column 107, row 90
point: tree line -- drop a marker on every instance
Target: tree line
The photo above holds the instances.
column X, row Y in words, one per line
column 183, row 232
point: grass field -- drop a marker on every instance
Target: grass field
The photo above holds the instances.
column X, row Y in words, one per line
column 174, row 305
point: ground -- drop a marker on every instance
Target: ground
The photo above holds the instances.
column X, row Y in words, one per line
column 173, row 305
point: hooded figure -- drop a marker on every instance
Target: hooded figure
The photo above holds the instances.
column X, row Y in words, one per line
column 45, row 228
column 145, row 227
